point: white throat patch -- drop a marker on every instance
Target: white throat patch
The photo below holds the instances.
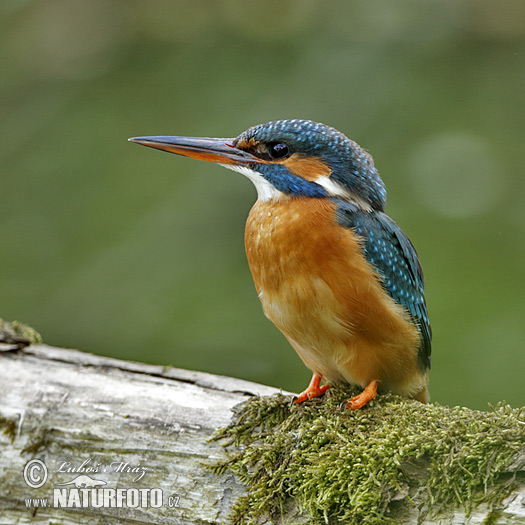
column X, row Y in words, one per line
column 265, row 190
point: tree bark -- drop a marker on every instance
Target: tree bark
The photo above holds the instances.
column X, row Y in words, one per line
column 139, row 429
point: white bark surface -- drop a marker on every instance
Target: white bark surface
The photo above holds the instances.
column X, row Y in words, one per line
column 67, row 407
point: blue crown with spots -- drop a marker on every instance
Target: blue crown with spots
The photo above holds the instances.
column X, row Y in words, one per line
column 352, row 167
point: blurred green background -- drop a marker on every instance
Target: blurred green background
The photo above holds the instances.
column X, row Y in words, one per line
column 124, row 251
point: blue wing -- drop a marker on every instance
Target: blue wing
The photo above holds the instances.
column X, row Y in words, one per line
column 390, row 251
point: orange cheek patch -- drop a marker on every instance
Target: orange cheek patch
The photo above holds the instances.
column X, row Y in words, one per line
column 309, row 168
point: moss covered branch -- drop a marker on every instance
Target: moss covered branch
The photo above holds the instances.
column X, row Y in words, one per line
column 389, row 463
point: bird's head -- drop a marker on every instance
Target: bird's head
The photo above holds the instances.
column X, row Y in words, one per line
column 289, row 158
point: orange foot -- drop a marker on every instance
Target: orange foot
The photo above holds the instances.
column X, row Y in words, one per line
column 314, row 390
column 364, row 397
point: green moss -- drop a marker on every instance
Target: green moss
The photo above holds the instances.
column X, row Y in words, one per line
column 10, row 427
column 18, row 333
column 354, row 466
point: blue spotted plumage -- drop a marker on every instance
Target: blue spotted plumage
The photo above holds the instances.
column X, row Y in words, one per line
column 394, row 257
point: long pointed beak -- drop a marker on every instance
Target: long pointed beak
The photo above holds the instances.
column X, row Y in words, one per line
column 221, row 151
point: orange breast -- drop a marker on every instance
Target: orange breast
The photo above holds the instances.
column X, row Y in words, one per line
column 317, row 287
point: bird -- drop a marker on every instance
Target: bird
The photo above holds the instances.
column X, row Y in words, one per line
column 334, row 273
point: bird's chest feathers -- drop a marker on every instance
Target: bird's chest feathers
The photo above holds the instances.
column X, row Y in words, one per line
column 294, row 249
column 317, row 287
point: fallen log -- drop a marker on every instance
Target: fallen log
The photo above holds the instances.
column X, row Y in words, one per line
column 90, row 439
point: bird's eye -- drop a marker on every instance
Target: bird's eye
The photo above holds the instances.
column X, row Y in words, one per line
column 278, row 150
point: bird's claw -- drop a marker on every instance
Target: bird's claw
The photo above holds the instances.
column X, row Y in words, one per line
column 310, row 393
column 359, row 401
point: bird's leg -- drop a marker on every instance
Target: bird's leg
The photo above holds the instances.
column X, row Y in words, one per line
column 364, row 397
column 314, row 389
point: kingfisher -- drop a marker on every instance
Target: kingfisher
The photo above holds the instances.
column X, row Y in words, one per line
column 334, row 273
